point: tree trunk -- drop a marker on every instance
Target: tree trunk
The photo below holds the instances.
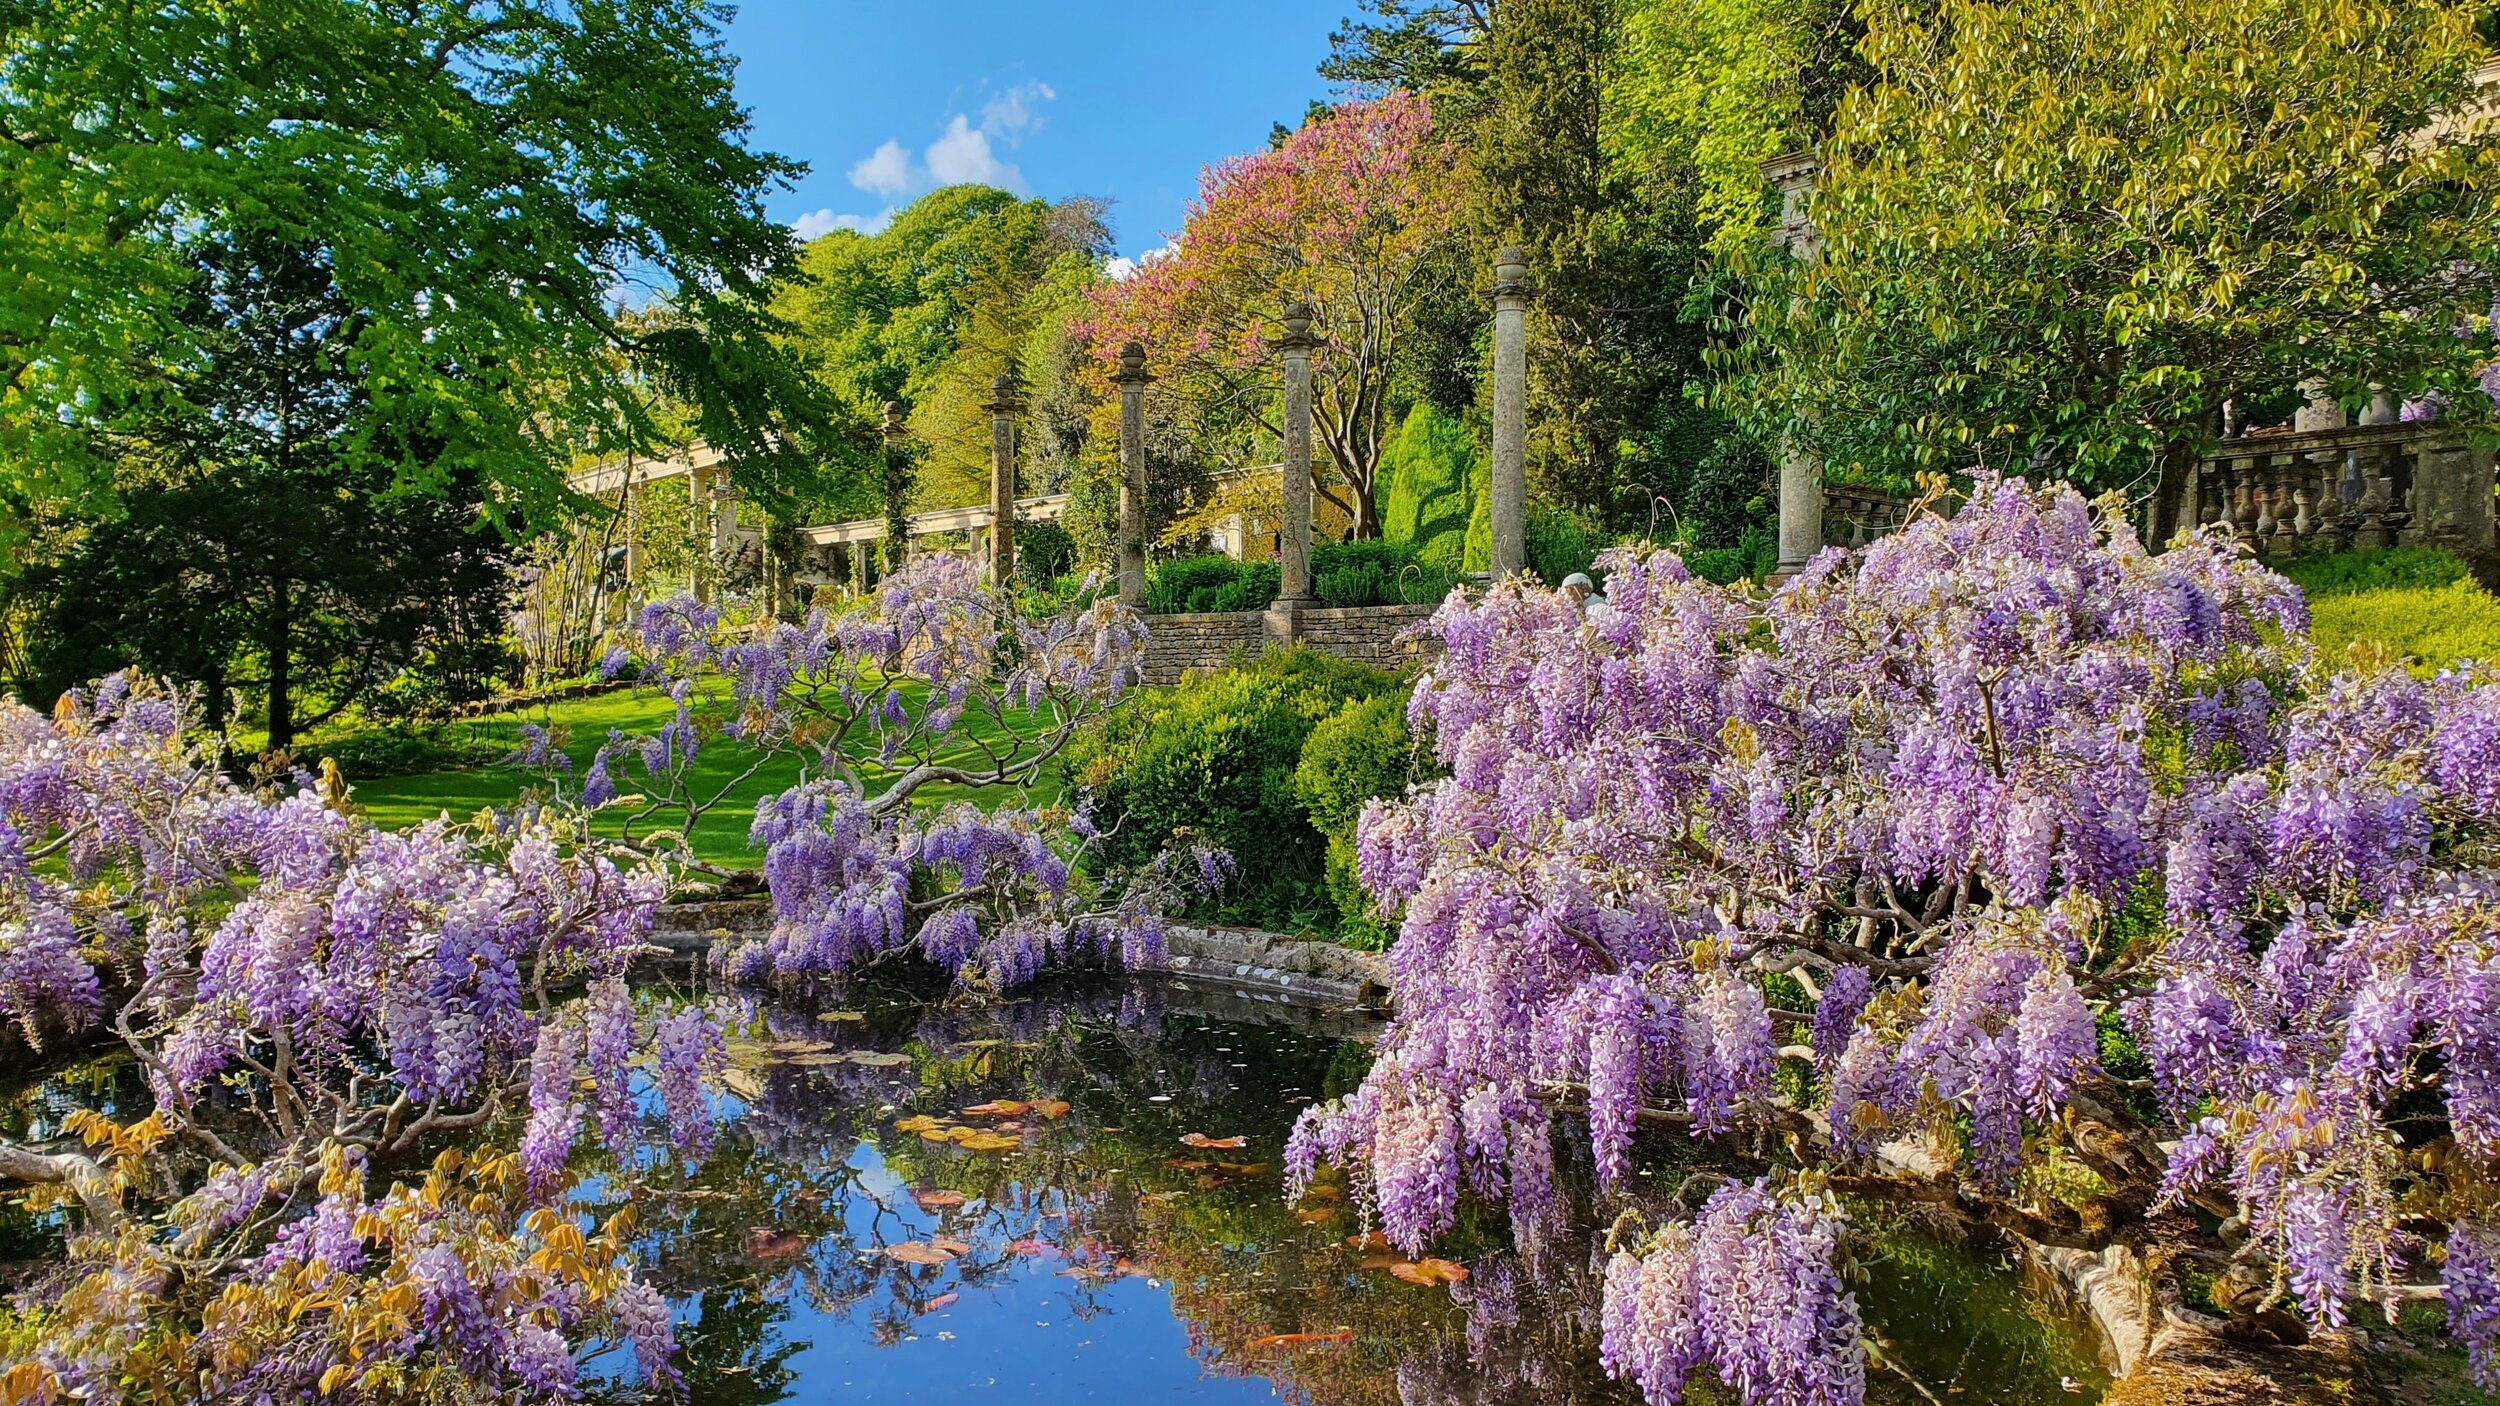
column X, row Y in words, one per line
column 279, row 640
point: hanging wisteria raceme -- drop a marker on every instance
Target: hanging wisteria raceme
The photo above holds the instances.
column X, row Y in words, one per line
column 936, row 681
column 313, row 1002
column 2002, row 793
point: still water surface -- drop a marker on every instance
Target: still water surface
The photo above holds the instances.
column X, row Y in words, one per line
column 1107, row 1254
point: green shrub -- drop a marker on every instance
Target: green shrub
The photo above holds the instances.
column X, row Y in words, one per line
column 2434, row 626
column 1560, row 543
column 1430, row 488
column 2395, row 568
column 401, row 751
column 1753, row 558
column 1044, row 553
column 1211, row 582
column 1360, row 752
column 1375, row 573
column 1216, row 757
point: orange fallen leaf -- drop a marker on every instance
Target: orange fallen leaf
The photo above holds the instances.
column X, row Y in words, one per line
column 914, row 1252
column 1030, row 1246
column 918, row 1124
column 1369, row 1240
column 945, row 1300
column 1430, row 1272
column 999, row 1108
column 1242, row 1169
column 1051, row 1107
column 1345, row 1335
column 1188, row 1164
column 1320, row 1216
column 988, row 1142
column 954, row 1246
column 1379, row 1261
column 1202, row 1140
column 1209, row 1182
column 1317, row 1193
column 933, row 1200
column 936, row 1135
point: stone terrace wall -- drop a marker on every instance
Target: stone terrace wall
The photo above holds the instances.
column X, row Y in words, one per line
column 1178, row 644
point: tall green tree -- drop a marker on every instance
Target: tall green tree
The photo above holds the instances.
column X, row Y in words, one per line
column 256, row 549
column 488, row 178
column 2062, row 236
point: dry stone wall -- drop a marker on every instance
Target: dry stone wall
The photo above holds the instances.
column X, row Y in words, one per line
column 1385, row 635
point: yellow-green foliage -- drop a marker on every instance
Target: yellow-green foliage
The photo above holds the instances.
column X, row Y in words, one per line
column 2418, row 602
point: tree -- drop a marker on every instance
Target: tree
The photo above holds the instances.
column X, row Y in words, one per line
column 2067, row 236
column 484, row 176
column 2003, row 856
column 256, row 544
column 1353, row 214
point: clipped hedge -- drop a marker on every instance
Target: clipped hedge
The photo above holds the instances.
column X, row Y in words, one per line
column 2417, row 603
column 1360, row 752
column 1216, row 757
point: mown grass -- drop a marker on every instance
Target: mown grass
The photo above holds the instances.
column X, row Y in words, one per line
column 2417, row 602
column 720, row 837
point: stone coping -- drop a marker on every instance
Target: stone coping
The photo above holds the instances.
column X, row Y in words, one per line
column 1255, row 965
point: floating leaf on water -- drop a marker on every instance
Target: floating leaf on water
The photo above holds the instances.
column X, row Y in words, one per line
column 1189, row 1164
column 1321, row 1216
column 1429, row 1272
column 1202, row 1140
column 997, row 1108
column 915, row 1252
column 918, row 1123
column 1030, row 1246
column 1209, row 1182
column 1052, row 1108
column 953, row 1246
column 988, row 1142
column 1380, row 1261
column 945, row 1300
column 938, row 1134
column 841, row 1015
column 1343, row 1335
column 878, row 1059
column 1319, row 1193
column 1242, row 1169
column 937, row 1200
column 1368, row 1240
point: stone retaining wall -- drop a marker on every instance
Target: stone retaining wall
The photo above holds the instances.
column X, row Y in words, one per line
column 1178, row 645
column 1255, row 966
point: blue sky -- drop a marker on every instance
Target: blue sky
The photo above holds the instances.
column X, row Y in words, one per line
column 1046, row 97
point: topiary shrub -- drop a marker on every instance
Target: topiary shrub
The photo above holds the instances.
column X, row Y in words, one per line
column 1216, row 757
column 1431, row 488
column 1359, row 752
column 1345, row 574
column 1211, row 582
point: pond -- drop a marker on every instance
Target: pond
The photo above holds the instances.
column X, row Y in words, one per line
column 902, row 1210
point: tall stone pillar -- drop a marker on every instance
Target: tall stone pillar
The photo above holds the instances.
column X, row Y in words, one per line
column 1002, row 408
column 1510, row 414
column 699, row 528
column 897, row 488
column 1133, row 378
column 1801, row 510
column 1293, row 545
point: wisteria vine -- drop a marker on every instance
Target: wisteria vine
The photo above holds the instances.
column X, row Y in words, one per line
column 1939, row 827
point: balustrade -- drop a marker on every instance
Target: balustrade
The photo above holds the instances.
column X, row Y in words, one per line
column 2358, row 486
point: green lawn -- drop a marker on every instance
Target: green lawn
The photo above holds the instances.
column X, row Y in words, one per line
column 721, row 836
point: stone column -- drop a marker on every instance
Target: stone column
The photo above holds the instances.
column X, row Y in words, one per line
column 1801, row 510
column 699, row 496
column 897, row 468
column 1293, row 546
column 1002, row 408
column 1509, row 486
column 1133, row 378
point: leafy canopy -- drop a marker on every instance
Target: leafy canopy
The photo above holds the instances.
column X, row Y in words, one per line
column 487, row 178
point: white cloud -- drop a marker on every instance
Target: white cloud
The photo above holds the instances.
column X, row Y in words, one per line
column 1120, row 270
column 965, row 152
column 961, row 156
column 816, row 224
column 1014, row 113
column 886, row 171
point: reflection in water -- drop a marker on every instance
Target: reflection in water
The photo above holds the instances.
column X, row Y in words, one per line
column 864, row 1234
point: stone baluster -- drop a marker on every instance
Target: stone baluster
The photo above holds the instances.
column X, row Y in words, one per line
column 2373, row 531
column 2305, row 502
column 2282, row 471
column 1132, row 379
column 2244, row 500
column 1509, row 488
column 2261, row 490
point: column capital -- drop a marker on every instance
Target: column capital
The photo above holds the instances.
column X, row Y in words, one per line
column 1002, row 396
column 1132, row 370
column 1510, row 276
column 893, row 421
column 1298, row 338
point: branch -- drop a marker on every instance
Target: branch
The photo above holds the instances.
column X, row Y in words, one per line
column 82, row 1174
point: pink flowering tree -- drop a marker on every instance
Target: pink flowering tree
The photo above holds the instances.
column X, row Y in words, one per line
column 320, row 1007
column 1354, row 214
column 2004, row 866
